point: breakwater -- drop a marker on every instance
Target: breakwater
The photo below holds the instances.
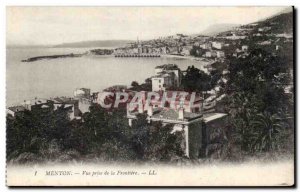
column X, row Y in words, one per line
column 137, row 55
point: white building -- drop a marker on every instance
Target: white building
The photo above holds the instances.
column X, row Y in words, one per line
column 168, row 75
column 15, row 110
column 190, row 122
column 220, row 54
column 82, row 93
column 211, row 53
column 217, row 45
column 162, row 82
column 206, row 46
column 245, row 48
column 37, row 104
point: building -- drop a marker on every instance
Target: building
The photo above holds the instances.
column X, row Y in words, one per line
column 192, row 123
column 83, row 95
column 217, row 45
column 68, row 104
column 188, row 122
column 211, row 53
column 233, row 36
column 263, row 29
column 207, row 45
column 220, row 54
column 166, row 76
column 245, row 48
column 163, row 81
column 213, row 129
column 186, row 50
column 39, row 105
column 16, row 110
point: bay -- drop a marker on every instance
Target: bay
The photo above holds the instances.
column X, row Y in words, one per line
column 60, row 77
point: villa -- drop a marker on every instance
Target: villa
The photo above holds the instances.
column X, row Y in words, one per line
column 166, row 76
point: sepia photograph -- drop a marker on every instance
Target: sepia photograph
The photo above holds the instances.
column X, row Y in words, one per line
column 150, row 96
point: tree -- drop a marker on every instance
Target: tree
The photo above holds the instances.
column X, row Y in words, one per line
column 257, row 100
column 134, row 84
column 196, row 80
column 267, row 132
column 197, row 51
column 154, row 141
column 261, row 74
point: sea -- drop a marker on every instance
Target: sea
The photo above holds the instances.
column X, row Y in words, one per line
column 60, row 77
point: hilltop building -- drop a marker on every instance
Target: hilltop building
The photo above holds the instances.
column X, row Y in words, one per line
column 83, row 95
column 68, row 104
column 15, row 110
column 182, row 115
column 166, row 76
column 185, row 117
column 40, row 105
column 217, row 45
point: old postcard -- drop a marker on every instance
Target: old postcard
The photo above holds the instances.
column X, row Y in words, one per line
column 150, row 96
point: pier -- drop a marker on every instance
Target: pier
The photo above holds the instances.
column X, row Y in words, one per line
column 137, row 55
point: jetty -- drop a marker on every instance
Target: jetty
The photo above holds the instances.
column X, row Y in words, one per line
column 137, row 55
column 32, row 59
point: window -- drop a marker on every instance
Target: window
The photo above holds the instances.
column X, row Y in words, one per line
column 159, row 81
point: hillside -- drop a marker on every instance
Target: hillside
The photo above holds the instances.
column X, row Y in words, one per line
column 218, row 28
column 282, row 23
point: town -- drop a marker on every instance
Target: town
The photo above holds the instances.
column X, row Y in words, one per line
column 207, row 116
column 181, row 115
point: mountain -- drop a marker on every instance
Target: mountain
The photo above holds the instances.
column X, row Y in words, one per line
column 99, row 43
column 284, row 11
column 218, row 28
column 282, row 23
column 27, row 46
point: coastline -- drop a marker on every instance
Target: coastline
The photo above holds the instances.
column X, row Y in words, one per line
column 32, row 59
column 200, row 59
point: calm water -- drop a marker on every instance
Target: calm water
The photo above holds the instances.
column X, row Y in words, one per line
column 59, row 77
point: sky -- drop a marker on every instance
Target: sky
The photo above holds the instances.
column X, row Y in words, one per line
column 55, row 25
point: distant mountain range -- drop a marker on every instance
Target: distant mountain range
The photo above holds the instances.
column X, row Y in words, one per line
column 99, row 43
column 80, row 44
column 281, row 17
column 218, row 28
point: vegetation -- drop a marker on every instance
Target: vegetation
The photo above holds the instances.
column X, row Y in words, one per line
column 197, row 80
column 197, row 51
column 146, row 86
column 259, row 107
column 260, row 111
column 102, row 135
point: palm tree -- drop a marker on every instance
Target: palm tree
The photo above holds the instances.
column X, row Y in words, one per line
column 267, row 132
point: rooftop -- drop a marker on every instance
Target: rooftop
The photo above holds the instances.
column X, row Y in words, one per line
column 208, row 117
column 36, row 101
column 17, row 108
column 163, row 74
column 170, row 114
column 66, row 100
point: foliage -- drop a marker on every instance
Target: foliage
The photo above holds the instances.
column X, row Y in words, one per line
column 104, row 134
column 197, row 51
column 155, row 142
column 134, row 84
column 197, row 80
column 258, row 104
